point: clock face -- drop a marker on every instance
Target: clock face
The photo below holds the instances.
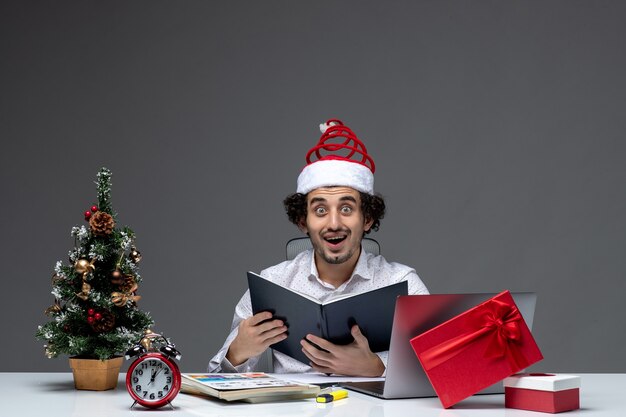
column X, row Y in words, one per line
column 153, row 380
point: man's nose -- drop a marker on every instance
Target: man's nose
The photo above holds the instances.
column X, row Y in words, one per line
column 334, row 220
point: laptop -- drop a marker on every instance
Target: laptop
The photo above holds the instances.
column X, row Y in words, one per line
column 415, row 314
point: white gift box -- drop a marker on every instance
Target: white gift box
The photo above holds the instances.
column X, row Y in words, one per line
column 548, row 393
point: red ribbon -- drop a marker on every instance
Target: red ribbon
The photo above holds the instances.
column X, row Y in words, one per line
column 495, row 319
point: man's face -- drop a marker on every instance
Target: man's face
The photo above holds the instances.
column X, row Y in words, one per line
column 335, row 223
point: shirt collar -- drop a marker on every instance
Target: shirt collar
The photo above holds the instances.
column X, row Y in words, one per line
column 360, row 269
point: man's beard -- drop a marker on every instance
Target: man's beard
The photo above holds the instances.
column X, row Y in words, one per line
column 334, row 259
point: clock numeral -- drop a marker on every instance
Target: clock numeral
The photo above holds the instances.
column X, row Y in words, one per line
column 138, row 371
column 169, row 379
column 166, row 388
column 160, row 394
column 152, row 397
column 135, row 379
column 145, row 393
column 167, row 371
column 138, row 388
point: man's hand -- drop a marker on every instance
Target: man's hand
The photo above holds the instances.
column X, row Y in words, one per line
column 354, row 359
column 255, row 334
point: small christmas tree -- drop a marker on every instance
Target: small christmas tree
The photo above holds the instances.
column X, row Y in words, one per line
column 95, row 312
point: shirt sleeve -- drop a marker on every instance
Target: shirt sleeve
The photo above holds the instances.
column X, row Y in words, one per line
column 383, row 357
column 219, row 363
column 415, row 284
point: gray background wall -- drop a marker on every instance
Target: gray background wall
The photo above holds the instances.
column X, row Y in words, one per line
column 497, row 129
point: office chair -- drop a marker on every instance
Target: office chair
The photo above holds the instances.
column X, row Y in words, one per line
column 300, row 244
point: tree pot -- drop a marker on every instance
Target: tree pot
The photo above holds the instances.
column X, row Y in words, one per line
column 96, row 374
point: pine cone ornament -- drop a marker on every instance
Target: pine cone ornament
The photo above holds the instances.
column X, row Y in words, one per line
column 129, row 284
column 101, row 224
column 103, row 322
column 127, row 292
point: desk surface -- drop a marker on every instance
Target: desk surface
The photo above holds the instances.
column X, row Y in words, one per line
column 53, row 395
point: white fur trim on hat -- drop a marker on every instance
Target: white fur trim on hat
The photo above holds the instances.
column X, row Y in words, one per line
column 335, row 172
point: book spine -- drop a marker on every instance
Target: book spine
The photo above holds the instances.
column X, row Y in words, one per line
column 322, row 323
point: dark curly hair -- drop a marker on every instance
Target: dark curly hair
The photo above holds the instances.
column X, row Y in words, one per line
column 372, row 206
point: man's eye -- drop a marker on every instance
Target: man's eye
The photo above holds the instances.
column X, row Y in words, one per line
column 320, row 210
column 346, row 209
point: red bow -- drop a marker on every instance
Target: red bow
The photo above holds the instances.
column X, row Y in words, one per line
column 495, row 319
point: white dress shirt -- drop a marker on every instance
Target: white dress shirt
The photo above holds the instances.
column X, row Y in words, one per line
column 300, row 274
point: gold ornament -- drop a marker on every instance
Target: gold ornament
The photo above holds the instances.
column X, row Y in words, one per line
column 54, row 309
column 120, row 299
column 134, row 255
column 83, row 266
column 146, row 341
column 85, row 290
column 117, row 277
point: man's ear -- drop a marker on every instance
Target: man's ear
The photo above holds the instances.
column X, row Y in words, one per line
column 368, row 225
column 302, row 226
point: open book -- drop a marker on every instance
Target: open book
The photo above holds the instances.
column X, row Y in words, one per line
column 332, row 319
column 249, row 387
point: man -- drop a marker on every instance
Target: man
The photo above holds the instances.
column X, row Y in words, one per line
column 336, row 206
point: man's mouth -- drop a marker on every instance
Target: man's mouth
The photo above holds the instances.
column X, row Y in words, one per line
column 335, row 240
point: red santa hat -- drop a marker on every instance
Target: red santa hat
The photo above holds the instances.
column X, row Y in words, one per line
column 338, row 159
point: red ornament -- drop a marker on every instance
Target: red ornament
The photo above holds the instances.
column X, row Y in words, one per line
column 94, row 208
column 87, row 215
column 98, row 316
column 91, row 311
column 90, row 320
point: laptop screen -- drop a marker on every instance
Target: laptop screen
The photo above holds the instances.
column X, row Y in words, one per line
column 415, row 314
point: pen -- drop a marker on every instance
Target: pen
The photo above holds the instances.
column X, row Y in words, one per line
column 332, row 396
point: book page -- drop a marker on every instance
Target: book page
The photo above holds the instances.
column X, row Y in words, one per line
column 228, row 382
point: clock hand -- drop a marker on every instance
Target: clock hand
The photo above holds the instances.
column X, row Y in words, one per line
column 154, row 372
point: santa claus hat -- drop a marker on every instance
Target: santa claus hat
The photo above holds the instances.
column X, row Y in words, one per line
column 338, row 159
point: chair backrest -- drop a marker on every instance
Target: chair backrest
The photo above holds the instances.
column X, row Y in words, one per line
column 300, row 244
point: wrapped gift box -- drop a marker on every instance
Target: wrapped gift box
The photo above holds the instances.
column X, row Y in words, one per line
column 548, row 393
column 476, row 349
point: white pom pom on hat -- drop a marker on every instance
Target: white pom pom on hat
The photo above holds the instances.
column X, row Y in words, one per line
column 341, row 159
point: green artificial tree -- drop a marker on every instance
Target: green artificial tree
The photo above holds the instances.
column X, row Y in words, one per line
column 95, row 312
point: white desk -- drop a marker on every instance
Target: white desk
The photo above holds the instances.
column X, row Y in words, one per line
column 53, row 395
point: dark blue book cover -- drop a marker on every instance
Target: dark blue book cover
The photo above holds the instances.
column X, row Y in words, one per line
column 332, row 319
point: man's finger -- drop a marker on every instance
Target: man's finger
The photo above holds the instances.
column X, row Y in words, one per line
column 259, row 317
column 273, row 332
column 276, row 339
column 315, row 359
column 320, row 343
column 358, row 336
column 322, row 369
column 269, row 325
column 315, row 352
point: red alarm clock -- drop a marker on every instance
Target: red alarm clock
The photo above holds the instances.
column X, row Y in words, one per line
column 153, row 379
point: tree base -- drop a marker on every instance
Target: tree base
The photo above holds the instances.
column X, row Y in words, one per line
column 94, row 374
